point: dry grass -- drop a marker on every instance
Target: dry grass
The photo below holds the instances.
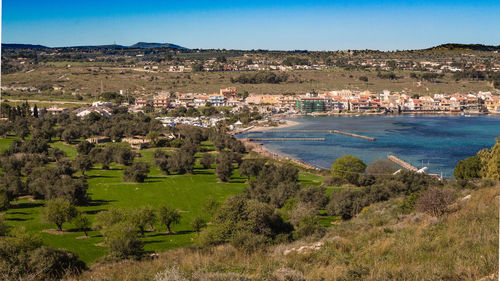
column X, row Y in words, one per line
column 86, row 81
column 379, row 244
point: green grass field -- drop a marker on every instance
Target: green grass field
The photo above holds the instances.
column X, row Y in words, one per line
column 187, row 193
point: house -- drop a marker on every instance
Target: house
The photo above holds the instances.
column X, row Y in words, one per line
column 161, row 100
column 137, row 142
column 101, row 110
column 217, row 100
column 141, row 102
column 99, row 139
column 55, row 110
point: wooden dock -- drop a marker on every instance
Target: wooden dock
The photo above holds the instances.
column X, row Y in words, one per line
column 353, row 135
column 286, row 139
column 402, row 163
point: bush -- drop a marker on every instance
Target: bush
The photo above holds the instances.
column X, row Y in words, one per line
column 123, row 241
column 23, row 256
column 435, row 201
column 249, row 242
column 346, row 203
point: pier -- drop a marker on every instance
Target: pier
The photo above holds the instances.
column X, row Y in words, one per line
column 321, row 131
column 402, row 163
column 353, row 135
column 286, row 139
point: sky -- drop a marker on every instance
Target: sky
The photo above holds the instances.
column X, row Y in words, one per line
column 255, row 24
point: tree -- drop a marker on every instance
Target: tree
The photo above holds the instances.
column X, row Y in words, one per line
column 81, row 222
column 348, row 167
column 35, row 111
column 4, row 199
column 251, row 168
column 84, row 147
column 207, row 160
column 224, row 168
column 143, row 217
column 198, row 223
column 168, row 216
column 138, row 172
column 58, row 211
column 161, row 160
column 468, row 168
column 82, row 163
column 21, row 129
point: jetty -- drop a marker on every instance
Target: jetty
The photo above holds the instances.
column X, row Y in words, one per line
column 353, row 135
column 402, row 163
column 286, row 139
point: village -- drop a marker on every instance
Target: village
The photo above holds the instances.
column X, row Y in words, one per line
column 322, row 102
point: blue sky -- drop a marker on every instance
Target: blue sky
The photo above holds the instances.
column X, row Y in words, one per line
column 257, row 24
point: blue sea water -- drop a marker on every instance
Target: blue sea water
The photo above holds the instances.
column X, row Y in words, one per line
column 435, row 141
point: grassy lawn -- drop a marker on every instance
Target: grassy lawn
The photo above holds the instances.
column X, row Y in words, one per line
column 187, row 193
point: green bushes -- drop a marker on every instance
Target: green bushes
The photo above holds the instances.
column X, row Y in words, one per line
column 23, row 256
column 260, row 77
column 468, row 168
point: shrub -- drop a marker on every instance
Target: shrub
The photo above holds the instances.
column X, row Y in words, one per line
column 435, row 201
column 123, row 241
column 346, row 203
column 248, row 242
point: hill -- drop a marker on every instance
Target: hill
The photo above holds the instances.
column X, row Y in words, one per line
column 146, row 45
column 462, row 47
column 23, row 46
column 381, row 243
column 138, row 45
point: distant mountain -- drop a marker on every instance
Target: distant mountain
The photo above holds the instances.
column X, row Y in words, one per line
column 461, row 47
column 146, row 45
column 139, row 45
column 99, row 47
column 23, row 46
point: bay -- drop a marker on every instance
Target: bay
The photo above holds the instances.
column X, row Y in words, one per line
column 435, row 141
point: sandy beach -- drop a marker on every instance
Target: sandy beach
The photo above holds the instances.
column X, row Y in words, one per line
column 281, row 125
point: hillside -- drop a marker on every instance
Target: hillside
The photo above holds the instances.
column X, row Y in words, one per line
column 382, row 243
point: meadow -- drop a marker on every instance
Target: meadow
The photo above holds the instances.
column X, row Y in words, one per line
column 187, row 193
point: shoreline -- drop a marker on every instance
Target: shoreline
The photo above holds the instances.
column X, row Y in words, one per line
column 259, row 148
column 287, row 124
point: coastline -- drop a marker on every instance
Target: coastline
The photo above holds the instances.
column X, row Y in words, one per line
column 259, row 148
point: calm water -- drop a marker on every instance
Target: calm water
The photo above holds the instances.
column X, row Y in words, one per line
column 438, row 142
